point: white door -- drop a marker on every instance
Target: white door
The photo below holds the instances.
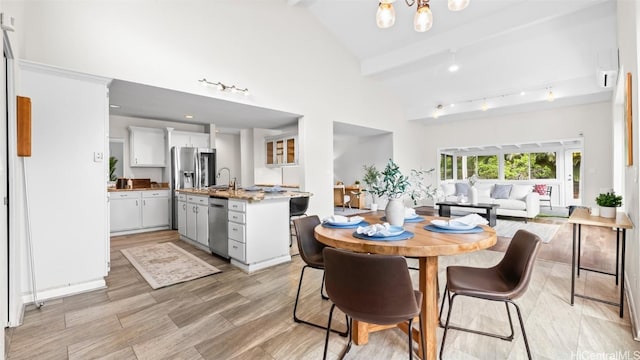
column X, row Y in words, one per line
column 124, row 214
column 573, row 177
column 191, row 221
column 202, row 224
column 182, row 218
column 155, row 212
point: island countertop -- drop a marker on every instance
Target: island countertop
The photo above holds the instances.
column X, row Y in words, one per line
column 244, row 195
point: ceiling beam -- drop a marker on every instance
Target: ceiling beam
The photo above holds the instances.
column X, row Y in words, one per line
column 513, row 18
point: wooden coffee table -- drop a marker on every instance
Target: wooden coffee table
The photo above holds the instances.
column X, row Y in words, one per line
column 444, row 210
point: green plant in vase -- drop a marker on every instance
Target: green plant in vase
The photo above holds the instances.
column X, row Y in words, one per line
column 393, row 186
column 112, row 168
column 371, row 177
column 608, row 203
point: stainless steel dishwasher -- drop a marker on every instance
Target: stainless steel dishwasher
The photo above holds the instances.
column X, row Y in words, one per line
column 218, row 228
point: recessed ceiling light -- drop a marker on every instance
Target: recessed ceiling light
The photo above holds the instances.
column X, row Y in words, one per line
column 188, row 116
column 452, row 104
column 522, row 93
column 114, row 106
column 454, row 68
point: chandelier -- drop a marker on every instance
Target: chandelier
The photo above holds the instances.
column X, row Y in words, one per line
column 423, row 19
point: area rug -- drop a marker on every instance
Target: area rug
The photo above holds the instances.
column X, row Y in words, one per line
column 507, row 228
column 166, row 264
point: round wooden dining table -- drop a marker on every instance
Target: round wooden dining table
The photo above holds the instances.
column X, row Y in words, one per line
column 426, row 246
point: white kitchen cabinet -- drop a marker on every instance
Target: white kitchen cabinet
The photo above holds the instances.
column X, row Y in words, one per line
column 124, row 210
column 155, row 208
column 189, row 139
column 281, row 151
column 258, row 233
column 197, row 219
column 146, row 147
column 138, row 211
column 182, row 214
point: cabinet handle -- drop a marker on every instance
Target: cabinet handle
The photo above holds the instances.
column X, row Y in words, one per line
column 193, row 209
column 184, row 206
column 144, row 202
column 235, row 247
column 197, row 209
column 136, row 202
column 234, row 229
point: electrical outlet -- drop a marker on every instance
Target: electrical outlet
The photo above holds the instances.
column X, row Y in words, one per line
column 98, row 156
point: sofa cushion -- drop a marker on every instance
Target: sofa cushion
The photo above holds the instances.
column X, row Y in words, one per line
column 520, row 191
column 510, row 204
column 540, row 189
column 462, row 189
column 501, row 191
column 448, row 189
column 484, row 190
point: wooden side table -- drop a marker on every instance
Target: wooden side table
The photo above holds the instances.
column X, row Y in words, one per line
column 621, row 223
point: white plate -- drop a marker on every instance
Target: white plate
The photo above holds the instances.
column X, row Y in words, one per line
column 342, row 222
column 411, row 217
column 393, row 231
column 443, row 224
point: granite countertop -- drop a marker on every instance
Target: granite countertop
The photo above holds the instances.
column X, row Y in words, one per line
column 138, row 189
column 245, row 195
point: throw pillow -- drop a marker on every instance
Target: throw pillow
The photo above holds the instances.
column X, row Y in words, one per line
column 462, row 189
column 501, row 191
column 540, row 189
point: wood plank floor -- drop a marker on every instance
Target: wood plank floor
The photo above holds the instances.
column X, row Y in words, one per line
column 232, row 315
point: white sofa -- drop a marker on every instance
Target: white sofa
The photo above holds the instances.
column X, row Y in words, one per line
column 522, row 200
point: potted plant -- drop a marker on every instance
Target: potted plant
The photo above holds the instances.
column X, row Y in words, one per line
column 112, row 171
column 371, row 177
column 393, row 185
column 608, row 203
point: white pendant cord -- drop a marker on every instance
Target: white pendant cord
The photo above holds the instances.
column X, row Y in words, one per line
column 29, row 241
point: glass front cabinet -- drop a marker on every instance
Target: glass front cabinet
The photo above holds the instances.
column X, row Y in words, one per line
column 281, row 151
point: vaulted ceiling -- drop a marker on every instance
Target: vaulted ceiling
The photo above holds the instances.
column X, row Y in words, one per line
column 511, row 53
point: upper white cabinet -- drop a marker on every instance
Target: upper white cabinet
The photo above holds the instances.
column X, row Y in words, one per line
column 146, row 147
column 189, row 139
column 281, row 151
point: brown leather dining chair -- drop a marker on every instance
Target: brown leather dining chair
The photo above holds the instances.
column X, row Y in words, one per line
column 504, row 282
column 376, row 289
column 311, row 253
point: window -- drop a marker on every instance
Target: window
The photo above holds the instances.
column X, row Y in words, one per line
column 446, row 167
column 486, row 166
column 526, row 166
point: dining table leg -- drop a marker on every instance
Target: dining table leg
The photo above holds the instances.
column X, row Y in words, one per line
column 428, row 287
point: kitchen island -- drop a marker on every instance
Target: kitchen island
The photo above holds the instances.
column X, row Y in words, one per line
column 257, row 224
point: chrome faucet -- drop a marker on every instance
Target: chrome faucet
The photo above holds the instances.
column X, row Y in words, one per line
column 220, row 173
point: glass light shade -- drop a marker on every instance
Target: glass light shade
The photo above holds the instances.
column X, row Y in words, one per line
column 550, row 96
column 386, row 15
column 454, row 67
column 423, row 20
column 457, row 5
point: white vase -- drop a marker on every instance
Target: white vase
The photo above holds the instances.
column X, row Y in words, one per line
column 394, row 212
column 473, row 195
column 608, row 212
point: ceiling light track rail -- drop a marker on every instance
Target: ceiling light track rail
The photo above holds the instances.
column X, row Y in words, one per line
column 223, row 87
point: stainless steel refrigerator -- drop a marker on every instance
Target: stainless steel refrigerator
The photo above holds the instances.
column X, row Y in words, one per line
column 190, row 168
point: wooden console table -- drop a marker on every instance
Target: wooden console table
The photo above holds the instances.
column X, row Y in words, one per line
column 356, row 202
column 622, row 222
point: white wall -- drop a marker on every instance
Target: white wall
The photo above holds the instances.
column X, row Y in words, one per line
column 118, row 128
column 67, row 197
column 628, row 28
column 228, row 155
column 172, row 44
column 351, row 153
column 593, row 120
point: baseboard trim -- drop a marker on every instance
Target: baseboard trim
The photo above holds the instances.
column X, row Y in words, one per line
column 633, row 311
column 55, row 293
column 249, row 268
